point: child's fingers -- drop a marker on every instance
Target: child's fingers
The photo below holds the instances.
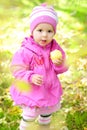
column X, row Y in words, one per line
column 37, row 79
column 58, row 62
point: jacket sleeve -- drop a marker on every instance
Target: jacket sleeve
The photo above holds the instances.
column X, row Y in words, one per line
column 63, row 67
column 60, row 69
column 20, row 65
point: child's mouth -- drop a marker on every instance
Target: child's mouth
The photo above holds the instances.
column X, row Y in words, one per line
column 43, row 41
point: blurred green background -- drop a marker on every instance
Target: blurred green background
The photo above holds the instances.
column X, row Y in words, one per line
column 71, row 35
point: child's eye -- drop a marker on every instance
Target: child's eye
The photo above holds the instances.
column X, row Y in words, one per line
column 49, row 31
column 40, row 30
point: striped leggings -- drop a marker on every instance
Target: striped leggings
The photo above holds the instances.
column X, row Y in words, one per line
column 30, row 115
column 43, row 115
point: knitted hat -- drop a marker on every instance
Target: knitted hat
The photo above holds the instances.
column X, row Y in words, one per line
column 43, row 14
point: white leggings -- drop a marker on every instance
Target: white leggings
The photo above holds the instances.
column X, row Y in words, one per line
column 34, row 112
column 43, row 114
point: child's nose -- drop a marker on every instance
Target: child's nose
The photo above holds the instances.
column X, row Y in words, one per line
column 44, row 33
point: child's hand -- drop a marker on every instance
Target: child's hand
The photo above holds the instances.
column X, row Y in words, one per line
column 56, row 57
column 58, row 62
column 37, row 79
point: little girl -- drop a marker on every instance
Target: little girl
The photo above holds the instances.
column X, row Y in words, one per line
column 32, row 64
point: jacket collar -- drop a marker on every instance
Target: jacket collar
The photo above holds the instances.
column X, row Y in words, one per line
column 30, row 44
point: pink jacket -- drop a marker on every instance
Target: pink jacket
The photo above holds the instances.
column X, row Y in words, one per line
column 34, row 59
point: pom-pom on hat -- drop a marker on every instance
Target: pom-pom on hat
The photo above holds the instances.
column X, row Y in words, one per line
column 43, row 14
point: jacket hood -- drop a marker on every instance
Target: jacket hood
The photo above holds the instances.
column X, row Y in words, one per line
column 30, row 44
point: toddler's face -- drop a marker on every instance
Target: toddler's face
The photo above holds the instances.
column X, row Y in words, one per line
column 43, row 34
